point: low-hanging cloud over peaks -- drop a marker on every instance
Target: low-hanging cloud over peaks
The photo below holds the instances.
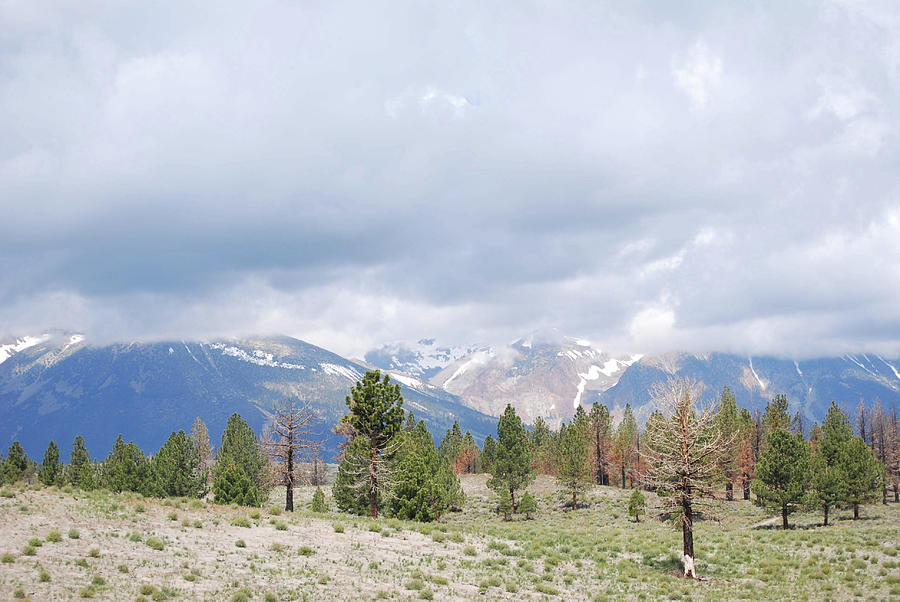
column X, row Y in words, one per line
column 650, row 177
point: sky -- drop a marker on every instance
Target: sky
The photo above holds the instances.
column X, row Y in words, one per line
column 652, row 176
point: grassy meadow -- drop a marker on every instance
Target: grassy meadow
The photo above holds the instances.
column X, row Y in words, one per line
column 69, row 544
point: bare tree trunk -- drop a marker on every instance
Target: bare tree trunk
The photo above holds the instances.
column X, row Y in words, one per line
column 746, row 488
column 729, row 491
column 373, row 485
column 512, row 499
column 623, row 476
column 289, row 491
column 687, row 535
column 574, row 502
column 784, row 513
column 825, row 523
column 896, row 493
column 855, row 510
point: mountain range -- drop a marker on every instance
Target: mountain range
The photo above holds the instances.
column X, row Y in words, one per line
column 58, row 385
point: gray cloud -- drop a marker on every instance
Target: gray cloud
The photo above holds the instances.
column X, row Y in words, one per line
column 649, row 177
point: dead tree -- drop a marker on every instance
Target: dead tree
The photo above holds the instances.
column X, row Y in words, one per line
column 683, row 455
column 287, row 441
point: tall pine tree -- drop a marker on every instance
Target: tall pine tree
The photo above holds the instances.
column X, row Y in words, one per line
column 512, row 466
column 51, row 468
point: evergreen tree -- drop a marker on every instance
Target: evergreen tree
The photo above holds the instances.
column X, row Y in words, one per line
column 625, row 440
column 775, row 417
column 573, row 460
column 863, row 472
column 376, row 413
column 504, row 503
column 601, row 440
column 51, row 468
column 16, row 462
column 637, row 505
column 420, row 489
column 488, row 454
column 512, row 467
column 240, row 452
column 543, row 453
column 727, row 421
column 527, row 505
column 126, row 468
column 829, row 481
column 318, row 501
column 79, row 472
column 232, row 485
column 175, row 469
column 451, row 444
column 783, row 474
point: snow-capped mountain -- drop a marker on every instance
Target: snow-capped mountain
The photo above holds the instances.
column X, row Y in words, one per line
column 810, row 385
column 59, row 385
column 422, row 359
column 544, row 374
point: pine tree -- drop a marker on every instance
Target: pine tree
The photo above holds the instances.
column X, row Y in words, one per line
column 16, row 462
column 504, row 503
column 488, row 454
column 79, row 473
column 829, row 481
column 51, row 468
column 376, row 413
column 175, row 469
column 637, row 505
column 783, row 474
column 683, row 455
column 527, row 505
column 775, row 418
column 543, row 454
column 573, row 460
column 422, row 479
column 318, row 501
column 624, row 443
column 240, row 453
column 512, row 467
column 126, row 468
column 863, row 472
column 728, row 423
column 451, row 443
column 601, row 440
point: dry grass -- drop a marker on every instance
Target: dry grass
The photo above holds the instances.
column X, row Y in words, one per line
column 589, row 554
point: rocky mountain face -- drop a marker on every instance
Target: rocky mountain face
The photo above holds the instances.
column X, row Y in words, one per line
column 422, row 359
column 57, row 386
column 544, row 374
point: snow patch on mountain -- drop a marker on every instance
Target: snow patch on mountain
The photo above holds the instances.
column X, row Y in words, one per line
column 891, row 366
column 477, row 359
column 257, row 356
column 422, row 359
column 21, row 344
column 762, row 385
column 336, row 370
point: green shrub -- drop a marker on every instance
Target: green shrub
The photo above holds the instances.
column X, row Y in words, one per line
column 34, row 542
column 173, row 515
column 73, row 534
column 306, row 551
column 155, row 544
column 122, row 568
column 29, row 551
column 94, row 553
column 240, row 543
column 44, row 577
column 338, row 528
column 54, row 536
column 240, row 521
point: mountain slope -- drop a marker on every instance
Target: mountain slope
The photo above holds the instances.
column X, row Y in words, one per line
column 544, row 374
column 61, row 386
column 810, row 385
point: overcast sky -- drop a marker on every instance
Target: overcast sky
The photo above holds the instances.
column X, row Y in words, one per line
column 647, row 175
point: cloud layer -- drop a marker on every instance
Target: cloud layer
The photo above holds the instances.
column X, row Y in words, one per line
column 649, row 176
